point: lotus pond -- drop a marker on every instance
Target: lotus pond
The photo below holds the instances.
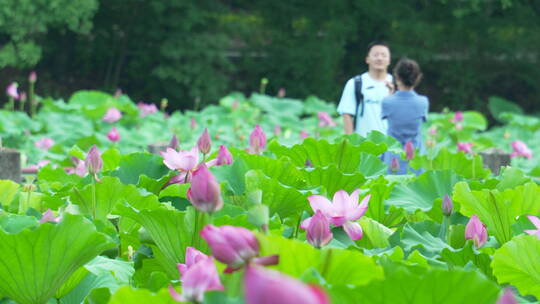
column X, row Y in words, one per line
column 262, row 199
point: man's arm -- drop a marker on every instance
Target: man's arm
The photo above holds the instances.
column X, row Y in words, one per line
column 348, row 123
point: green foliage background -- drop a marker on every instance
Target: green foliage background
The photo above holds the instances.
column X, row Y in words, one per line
column 193, row 52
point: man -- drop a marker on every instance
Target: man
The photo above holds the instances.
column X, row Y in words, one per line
column 376, row 84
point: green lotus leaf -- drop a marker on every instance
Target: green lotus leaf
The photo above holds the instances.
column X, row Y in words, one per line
column 458, row 162
column 422, row 236
column 498, row 210
column 283, row 200
column 128, row 295
column 405, row 285
column 336, row 266
column 172, row 231
column 498, row 106
column 334, row 180
column 35, row 263
column 345, row 156
column 133, row 165
column 423, row 190
column 283, row 171
column 8, row 190
column 101, row 272
column 463, row 256
column 518, row 263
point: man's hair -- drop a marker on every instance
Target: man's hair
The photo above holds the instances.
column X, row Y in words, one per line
column 408, row 71
column 376, row 43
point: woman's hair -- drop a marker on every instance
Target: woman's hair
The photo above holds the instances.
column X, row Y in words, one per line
column 408, row 71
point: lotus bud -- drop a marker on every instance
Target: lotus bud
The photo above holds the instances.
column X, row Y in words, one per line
column 507, row 297
column 318, row 231
column 32, row 78
column 204, row 143
column 93, row 161
column 409, row 150
column 12, row 90
column 205, row 193
column 476, row 231
column 234, row 246
column 447, row 205
column 277, row 130
column 224, row 157
column 274, row 287
column 113, row 135
column 394, row 165
column 173, row 144
column 257, row 140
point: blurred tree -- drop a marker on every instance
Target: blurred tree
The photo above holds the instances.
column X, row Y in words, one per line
column 24, row 22
column 189, row 51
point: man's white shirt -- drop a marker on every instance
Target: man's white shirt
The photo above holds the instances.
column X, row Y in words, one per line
column 374, row 92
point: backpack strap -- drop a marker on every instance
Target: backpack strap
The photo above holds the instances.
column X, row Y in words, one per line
column 359, row 97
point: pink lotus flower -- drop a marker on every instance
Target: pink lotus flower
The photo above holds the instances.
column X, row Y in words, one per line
column 146, row 108
column 11, row 90
column 521, row 149
column 193, row 256
column 409, row 150
column 79, row 169
column 204, row 193
column 182, row 160
column 35, row 168
column 536, row 222
column 204, row 143
column 93, row 161
column 318, row 231
column 458, row 116
column 234, row 246
column 32, row 78
column 476, row 231
column 465, row 147
column 257, row 140
column 344, row 210
column 266, row 286
column 113, row 135
column 447, row 205
column 394, row 165
column 44, row 143
column 459, row 126
column 304, row 134
column 48, row 216
column 433, row 131
column 112, row 115
column 200, row 277
column 325, row 120
column 23, row 97
column 193, row 123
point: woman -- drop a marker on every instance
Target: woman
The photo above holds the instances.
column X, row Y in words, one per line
column 405, row 112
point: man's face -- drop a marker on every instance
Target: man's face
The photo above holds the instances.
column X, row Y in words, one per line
column 378, row 57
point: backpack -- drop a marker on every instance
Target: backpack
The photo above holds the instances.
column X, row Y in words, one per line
column 359, row 97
